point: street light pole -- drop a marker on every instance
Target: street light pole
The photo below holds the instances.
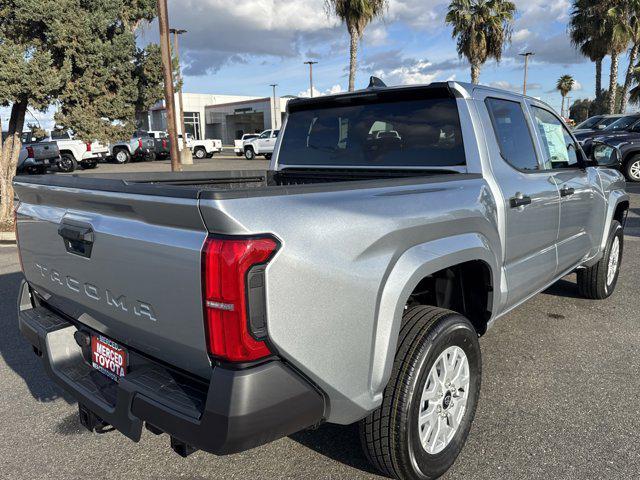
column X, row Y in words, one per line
column 275, row 111
column 311, row 64
column 526, row 56
column 185, row 154
column 167, row 70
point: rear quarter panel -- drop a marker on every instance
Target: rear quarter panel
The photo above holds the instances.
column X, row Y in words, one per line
column 339, row 249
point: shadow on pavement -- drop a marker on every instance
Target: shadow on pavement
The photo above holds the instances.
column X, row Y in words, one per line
column 337, row 442
column 564, row 288
column 16, row 352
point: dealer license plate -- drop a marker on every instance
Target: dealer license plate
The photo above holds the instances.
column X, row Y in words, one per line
column 108, row 357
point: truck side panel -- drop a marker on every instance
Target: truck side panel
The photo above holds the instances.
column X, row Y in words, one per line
column 325, row 283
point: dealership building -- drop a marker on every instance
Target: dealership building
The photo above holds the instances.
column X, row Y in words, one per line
column 225, row 117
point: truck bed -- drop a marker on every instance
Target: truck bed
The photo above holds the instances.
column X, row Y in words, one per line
column 142, row 276
column 245, row 183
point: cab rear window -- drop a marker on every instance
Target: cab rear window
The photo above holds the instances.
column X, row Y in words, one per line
column 412, row 133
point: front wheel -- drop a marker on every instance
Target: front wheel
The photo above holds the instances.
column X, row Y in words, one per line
column 122, row 156
column 632, row 169
column 599, row 281
column 430, row 401
column 200, row 153
column 249, row 154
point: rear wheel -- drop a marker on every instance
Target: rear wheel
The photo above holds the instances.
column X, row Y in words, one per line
column 599, row 281
column 89, row 165
column 67, row 163
column 632, row 169
column 150, row 157
column 268, row 156
column 431, row 398
column 200, row 153
column 249, row 154
column 121, row 156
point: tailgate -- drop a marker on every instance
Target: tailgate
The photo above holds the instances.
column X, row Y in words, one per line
column 125, row 265
column 45, row 151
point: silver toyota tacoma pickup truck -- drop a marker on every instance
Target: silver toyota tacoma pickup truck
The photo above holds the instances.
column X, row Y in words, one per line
column 349, row 283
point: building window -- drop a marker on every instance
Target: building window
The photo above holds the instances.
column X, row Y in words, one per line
column 192, row 124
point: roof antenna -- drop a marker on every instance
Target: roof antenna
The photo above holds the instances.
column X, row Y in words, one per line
column 375, row 82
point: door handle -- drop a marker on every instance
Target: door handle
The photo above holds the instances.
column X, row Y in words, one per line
column 78, row 238
column 519, row 200
column 566, row 191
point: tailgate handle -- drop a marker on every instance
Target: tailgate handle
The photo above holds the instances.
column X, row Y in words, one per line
column 78, row 238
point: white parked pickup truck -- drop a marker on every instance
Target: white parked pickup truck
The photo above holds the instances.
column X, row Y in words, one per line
column 239, row 144
column 261, row 145
column 74, row 153
column 202, row 148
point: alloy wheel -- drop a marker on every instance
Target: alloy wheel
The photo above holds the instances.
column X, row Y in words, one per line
column 444, row 400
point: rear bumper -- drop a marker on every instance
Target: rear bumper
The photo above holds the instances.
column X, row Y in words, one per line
column 38, row 163
column 236, row 411
column 95, row 156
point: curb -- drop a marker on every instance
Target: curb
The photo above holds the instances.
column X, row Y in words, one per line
column 7, row 237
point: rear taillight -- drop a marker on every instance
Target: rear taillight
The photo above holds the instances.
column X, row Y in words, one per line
column 140, row 143
column 88, row 146
column 16, row 204
column 164, row 143
column 30, row 152
column 234, row 297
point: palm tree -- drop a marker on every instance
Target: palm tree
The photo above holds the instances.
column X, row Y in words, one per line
column 628, row 12
column 482, row 28
column 617, row 36
column 634, row 93
column 586, row 32
column 564, row 85
column 356, row 14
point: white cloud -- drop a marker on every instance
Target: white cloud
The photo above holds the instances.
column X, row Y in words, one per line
column 521, row 35
column 318, row 93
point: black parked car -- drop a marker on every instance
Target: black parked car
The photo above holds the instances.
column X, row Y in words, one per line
column 596, row 123
column 623, row 134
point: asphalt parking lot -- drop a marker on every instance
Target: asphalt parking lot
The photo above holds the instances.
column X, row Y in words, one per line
column 559, row 398
column 226, row 160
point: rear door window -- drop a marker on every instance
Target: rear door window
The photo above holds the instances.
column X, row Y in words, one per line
column 423, row 132
column 559, row 149
column 513, row 134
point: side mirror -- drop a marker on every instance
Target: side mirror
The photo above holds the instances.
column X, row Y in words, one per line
column 604, row 155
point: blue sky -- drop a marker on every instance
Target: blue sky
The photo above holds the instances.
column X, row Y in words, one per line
column 240, row 47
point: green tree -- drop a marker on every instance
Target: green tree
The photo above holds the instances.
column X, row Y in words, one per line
column 356, row 14
column 617, row 37
column 580, row 110
column 564, row 85
column 482, row 28
column 585, row 30
column 628, row 14
column 77, row 54
column 148, row 73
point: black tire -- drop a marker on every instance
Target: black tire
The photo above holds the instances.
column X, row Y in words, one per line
column 632, row 169
column 390, row 434
column 249, row 154
column 88, row 165
column 593, row 281
column 67, row 163
column 268, row 156
column 121, row 156
column 200, row 153
column 150, row 157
